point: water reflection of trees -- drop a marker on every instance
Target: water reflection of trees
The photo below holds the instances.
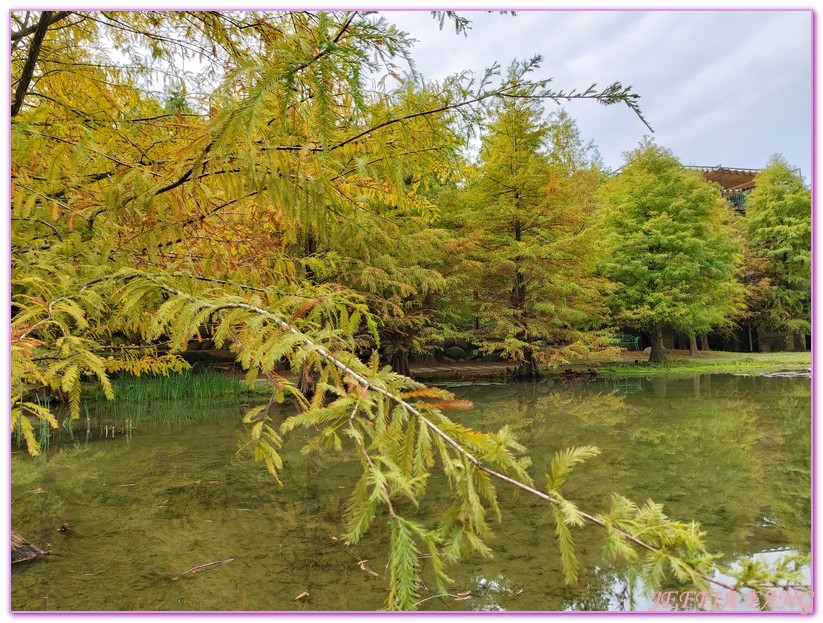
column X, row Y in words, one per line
column 731, row 453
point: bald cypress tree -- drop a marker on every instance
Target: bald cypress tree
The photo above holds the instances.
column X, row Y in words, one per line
column 525, row 226
column 672, row 252
column 778, row 220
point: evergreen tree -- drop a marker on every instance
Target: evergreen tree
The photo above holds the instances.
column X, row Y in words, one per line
column 672, row 252
column 751, row 274
column 525, row 218
column 778, row 219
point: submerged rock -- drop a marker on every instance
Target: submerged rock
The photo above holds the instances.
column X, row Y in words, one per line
column 22, row 550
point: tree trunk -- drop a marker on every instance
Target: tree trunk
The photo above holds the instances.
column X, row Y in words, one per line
column 518, row 296
column 751, row 340
column 692, row 346
column 704, row 343
column 307, row 381
column 528, row 368
column 31, row 61
column 659, row 384
column 656, row 336
column 518, row 293
column 789, row 339
column 400, row 362
column 800, row 342
column 762, row 345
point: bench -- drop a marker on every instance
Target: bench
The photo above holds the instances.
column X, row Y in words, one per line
column 626, row 341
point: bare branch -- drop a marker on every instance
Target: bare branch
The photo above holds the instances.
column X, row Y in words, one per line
column 31, row 61
column 27, row 30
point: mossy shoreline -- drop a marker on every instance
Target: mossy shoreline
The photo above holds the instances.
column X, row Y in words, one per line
column 713, row 362
column 752, row 364
column 217, row 384
column 634, row 364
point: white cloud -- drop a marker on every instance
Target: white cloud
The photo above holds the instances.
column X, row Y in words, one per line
column 730, row 87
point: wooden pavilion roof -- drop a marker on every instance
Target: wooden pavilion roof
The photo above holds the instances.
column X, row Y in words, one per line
column 730, row 180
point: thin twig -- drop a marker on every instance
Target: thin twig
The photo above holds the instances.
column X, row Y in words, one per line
column 45, row 197
column 203, row 567
column 383, row 490
column 440, row 595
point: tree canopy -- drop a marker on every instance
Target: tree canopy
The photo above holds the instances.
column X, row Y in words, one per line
column 526, row 217
column 778, row 218
column 672, row 253
column 269, row 214
column 292, row 184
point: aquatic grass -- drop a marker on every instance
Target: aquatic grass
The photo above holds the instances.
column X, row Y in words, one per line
column 19, row 441
column 176, row 399
column 112, row 421
column 188, row 384
column 44, row 436
column 67, row 426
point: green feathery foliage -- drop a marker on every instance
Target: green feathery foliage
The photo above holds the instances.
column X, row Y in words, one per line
column 672, row 257
column 778, row 219
column 565, row 513
column 528, row 252
column 674, row 548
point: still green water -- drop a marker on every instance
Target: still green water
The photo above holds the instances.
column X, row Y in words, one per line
column 732, row 453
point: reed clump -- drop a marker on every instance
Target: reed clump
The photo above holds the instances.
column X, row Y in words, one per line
column 189, row 384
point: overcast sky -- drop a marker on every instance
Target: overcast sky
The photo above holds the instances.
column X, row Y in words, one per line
column 727, row 88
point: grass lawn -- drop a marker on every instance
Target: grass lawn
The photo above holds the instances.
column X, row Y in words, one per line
column 713, row 362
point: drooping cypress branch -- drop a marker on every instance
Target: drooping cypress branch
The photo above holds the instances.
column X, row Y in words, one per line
column 368, row 385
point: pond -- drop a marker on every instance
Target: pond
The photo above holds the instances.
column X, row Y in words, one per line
column 171, row 490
